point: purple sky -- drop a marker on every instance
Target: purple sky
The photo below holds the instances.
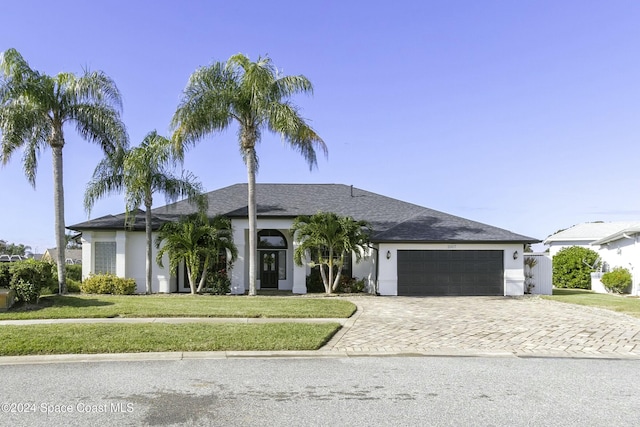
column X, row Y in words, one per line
column 520, row 114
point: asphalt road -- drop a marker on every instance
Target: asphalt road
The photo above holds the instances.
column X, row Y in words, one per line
column 362, row 391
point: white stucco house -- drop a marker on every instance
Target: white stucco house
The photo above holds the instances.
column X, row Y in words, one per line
column 414, row 250
column 617, row 244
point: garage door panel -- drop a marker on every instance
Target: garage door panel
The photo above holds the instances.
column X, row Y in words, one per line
column 462, row 272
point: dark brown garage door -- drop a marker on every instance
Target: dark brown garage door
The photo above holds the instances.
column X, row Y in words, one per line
column 450, row 273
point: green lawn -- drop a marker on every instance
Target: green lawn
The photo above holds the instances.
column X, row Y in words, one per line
column 154, row 337
column 627, row 305
column 93, row 306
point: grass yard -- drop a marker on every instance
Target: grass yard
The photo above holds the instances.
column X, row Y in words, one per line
column 153, row 337
column 105, row 306
column 627, row 305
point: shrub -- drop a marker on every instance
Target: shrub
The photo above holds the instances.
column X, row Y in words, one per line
column 314, row 282
column 28, row 278
column 74, row 272
column 350, row 285
column 572, row 267
column 218, row 283
column 5, row 274
column 73, row 285
column 26, row 292
column 108, row 284
column 617, row 280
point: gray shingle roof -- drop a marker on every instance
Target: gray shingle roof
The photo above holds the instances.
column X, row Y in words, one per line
column 392, row 220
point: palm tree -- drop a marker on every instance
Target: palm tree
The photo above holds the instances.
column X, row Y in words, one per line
column 34, row 109
column 140, row 172
column 327, row 238
column 196, row 240
column 256, row 96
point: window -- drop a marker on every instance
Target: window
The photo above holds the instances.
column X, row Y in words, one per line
column 105, row 257
column 271, row 239
column 347, row 267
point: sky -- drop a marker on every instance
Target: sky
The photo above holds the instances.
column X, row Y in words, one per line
column 520, row 114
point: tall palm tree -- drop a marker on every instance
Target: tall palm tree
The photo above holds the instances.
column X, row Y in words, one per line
column 196, row 240
column 327, row 238
column 256, row 97
column 34, row 109
column 140, row 172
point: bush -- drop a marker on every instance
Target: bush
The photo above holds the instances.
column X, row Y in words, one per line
column 74, row 272
column 314, row 282
column 572, row 267
column 73, row 285
column 5, row 274
column 28, row 278
column 350, row 285
column 617, row 280
column 108, row 284
column 26, row 292
column 218, row 283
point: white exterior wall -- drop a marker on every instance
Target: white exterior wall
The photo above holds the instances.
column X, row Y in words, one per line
column 136, row 265
column 388, row 268
column 555, row 247
column 624, row 253
column 366, row 269
column 130, row 258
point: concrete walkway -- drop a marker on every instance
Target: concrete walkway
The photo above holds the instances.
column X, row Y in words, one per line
column 527, row 326
column 443, row 326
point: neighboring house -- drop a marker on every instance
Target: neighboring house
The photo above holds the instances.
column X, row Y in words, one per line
column 617, row 244
column 414, row 250
column 71, row 256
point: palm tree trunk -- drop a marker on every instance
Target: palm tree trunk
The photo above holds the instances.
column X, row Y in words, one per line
column 325, row 281
column 203, row 279
column 58, row 202
column 253, row 231
column 147, row 229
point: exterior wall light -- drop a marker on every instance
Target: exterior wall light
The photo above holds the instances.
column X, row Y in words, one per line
column 388, row 254
column 515, row 255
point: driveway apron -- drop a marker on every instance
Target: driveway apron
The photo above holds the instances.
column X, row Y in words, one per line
column 523, row 326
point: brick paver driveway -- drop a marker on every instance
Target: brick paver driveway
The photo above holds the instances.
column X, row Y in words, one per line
column 527, row 326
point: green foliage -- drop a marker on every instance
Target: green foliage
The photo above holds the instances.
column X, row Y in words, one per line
column 26, row 292
column 256, row 96
column 218, row 283
column 197, row 241
column 28, row 278
column 74, row 272
column 108, row 284
column 7, row 248
column 327, row 238
column 349, row 285
column 39, row 273
column 5, row 274
column 314, row 282
column 572, row 267
column 73, row 285
column 617, row 280
column 36, row 107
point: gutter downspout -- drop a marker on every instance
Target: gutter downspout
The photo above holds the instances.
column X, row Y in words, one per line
column 377, row 269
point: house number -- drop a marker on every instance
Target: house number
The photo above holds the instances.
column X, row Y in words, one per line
column 451, row 246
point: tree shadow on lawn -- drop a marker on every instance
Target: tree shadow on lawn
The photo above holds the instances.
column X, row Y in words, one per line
column 59, row 301
column 567, row 291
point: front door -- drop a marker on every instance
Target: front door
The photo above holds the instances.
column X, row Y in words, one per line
column 268, row 269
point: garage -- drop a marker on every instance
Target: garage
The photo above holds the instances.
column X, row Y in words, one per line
column 450, row 272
